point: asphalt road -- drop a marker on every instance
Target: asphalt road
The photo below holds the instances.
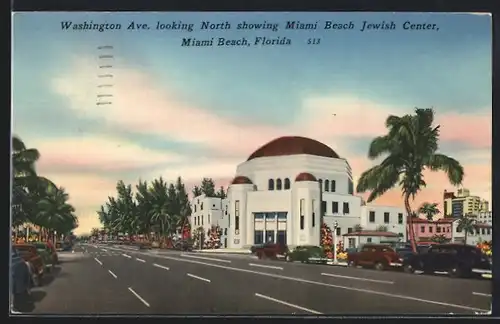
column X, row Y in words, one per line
column 124, row 280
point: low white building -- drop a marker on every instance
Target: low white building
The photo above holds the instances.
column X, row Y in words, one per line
column 284, row 190
column 483, row 231
column 207, row 212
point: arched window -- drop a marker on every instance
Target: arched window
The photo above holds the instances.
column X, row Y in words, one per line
column 333, row 185
column 271, row 184
column 278, row 184
column 287, row 183
column 320, row 184
column 327, row 185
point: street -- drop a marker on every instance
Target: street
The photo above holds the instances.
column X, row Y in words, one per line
column 124, row 280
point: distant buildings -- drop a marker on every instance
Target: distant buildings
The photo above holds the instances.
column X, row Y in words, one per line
column 463, row 203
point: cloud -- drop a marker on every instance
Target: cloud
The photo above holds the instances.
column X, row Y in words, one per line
column 97, row 154
column 347, row 116
column 141, row 105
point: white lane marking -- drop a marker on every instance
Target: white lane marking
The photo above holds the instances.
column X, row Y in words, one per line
column 138, row 297
column 357, row 278
column 265, row 266
column 481, row 294
column 204, row 258
column 104, row 250
column 288, row 304
column 160, row 266
column 199, row 278
column 140, row 260
column 98, row 261
column 367, row 291
column 127, row 256
column 111, row 273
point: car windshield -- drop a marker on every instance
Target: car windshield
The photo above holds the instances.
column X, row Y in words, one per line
column 403, row 251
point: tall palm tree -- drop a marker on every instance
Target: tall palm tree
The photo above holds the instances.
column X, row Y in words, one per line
column 409, row 148
column 429, row 210
column 23, row 177
column 466, row 224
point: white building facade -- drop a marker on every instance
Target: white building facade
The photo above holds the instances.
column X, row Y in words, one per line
column 483, row 230
column 284, row 190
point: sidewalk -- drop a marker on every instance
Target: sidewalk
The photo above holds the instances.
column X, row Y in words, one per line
column 224, row 251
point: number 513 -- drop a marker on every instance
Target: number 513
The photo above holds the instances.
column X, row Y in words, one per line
column 313, row 41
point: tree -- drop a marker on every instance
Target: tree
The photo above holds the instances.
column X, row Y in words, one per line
column 197, row 191
column 208, row 187
column 439, row 238
column 429, row 210
column 382, row 228
column 326, row 239
column 221, row 193
column 358, row 228
column 409, row 148
column 466, row 224
column 183, row 205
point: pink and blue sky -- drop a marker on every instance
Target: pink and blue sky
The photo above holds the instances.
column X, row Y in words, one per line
column 198, row 112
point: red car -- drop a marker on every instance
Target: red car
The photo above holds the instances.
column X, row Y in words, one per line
column 29, row 253
column 271, row 251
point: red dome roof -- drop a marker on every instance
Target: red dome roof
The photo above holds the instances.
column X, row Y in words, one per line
column 241, row 180
column 293, row 145
column 304, row 176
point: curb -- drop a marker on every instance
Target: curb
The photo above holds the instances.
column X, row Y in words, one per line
column 338, row 264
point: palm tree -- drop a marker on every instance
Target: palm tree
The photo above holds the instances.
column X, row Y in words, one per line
column 94, row 233
column 409, row 148
column 429, row 210
column 466, row 224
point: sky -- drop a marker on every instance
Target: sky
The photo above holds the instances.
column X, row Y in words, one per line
column 198, row 112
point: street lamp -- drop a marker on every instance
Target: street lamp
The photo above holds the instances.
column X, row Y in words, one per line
column 335, row 225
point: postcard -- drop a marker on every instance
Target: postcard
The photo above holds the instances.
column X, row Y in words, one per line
column 251, row 163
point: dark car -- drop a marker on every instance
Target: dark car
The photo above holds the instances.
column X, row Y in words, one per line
column 307, row 254
column 21, row 280
column 254, row 248
column 378, row 256
column 457, row 259
column 271, row 251
column 183, row 245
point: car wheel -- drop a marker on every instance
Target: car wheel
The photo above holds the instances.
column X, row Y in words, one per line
column 455, row 272
column 20, row 300
column 408, row 268
column 35, row 280
column 379, row 266
column 352, row 264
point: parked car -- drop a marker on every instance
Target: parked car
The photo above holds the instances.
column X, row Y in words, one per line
column 144, row 245
column 30, row 255
column 46, row 253
column 457, row 259
column 53, row 252
column 59, row 246
column 254, row 248
column 21, row 280
column 271, row 251
column 378, row 256
column 183, row 245
column 307, row 254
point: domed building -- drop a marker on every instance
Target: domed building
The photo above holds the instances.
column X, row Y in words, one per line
column 283, row 191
